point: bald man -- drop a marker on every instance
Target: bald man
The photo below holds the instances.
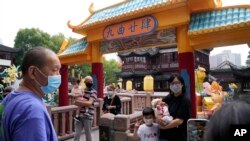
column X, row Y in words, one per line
column 86, row 115
column 25, row 117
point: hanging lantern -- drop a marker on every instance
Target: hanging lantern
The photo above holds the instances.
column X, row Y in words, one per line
column 73, row 72
column 148, row 83
column 129, row 85
column 120, row 84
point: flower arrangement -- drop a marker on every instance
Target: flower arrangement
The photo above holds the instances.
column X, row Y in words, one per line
column 10, row 75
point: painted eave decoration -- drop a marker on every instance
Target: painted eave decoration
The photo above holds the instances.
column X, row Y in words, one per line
column 219, row 20
column 125, row 9
column 75, row 48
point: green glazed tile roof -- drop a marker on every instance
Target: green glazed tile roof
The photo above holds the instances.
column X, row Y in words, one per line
column 76, row 47
column 218, row 18
column 127, row 7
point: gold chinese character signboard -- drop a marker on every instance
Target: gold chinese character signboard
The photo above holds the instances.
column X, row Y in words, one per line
column 144, row 25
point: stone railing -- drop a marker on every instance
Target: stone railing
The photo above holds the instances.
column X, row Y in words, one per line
column 141, row 100
column 127, row 106
column 119, row 127
column 62, row 118
column 132, row 104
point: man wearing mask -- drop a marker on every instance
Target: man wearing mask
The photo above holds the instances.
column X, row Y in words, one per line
column 87, row 111
column 25, row 117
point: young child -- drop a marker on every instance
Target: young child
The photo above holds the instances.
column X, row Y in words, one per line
column 78, row 93
column 149, row 130
column 161, row 109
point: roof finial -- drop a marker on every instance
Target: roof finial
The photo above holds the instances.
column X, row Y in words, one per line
column 69, row 25
column 91, row 8
column 63, row 46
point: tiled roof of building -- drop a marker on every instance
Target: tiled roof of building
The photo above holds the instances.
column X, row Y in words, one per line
column 224, row 65
column 210, row 21
column 4, row 48
column 76, row 47
column 127, row 8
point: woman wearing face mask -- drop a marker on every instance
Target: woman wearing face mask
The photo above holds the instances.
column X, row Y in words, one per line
column 179, row 109
column 112, row 102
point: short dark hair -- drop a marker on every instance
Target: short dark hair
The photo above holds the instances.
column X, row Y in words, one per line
column 148, row 111
column 234, row 113
column 180, row 78
column 34, row 56
column 77, row 80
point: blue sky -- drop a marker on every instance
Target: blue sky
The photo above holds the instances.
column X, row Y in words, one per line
column 52, row 15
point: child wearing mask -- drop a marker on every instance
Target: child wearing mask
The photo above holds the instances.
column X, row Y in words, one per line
column 112, row 102
column 78, row 93
column 161, row 109
column 148, row 131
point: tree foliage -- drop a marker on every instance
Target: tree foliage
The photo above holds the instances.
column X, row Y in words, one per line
column 79, row 71
column 111, row 67
column 32, row 37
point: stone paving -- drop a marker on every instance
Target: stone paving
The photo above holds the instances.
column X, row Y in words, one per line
column 95, row 136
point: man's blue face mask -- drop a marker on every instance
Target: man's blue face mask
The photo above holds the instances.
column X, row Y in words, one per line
column 54, row 81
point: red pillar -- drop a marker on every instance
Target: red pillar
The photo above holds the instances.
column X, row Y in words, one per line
column 63, row 89
column 97, row 70
column 186, row 69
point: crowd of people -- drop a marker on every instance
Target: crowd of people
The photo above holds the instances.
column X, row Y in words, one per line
column 24, row 117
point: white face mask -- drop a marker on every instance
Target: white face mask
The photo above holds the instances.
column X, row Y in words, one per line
column 110, row 93
column 148, row 122
column 176, row 88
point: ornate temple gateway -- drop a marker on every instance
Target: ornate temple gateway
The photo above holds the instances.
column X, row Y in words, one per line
column 188, row 24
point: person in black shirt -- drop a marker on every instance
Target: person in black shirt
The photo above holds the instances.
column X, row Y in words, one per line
column 179, row 109
column 112, row 102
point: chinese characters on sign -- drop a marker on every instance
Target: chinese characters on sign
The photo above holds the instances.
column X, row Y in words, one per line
column 144, row 25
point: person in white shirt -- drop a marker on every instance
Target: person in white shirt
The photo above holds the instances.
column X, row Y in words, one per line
column 148, row 131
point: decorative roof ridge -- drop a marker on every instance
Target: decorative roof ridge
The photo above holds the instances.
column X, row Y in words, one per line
column 91, row 11
column 155, row 5
column 222, row 8
column 111, row 6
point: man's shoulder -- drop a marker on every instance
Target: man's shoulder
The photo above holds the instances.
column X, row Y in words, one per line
column 24, row 105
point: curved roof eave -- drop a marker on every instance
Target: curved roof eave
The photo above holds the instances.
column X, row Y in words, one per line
column 219, row 20
column 123, row 10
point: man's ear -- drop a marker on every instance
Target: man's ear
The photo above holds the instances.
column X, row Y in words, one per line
column 31, row 72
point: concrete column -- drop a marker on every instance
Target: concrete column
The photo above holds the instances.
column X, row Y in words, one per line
column 63, row 89
column 121, row 126
column 106, row 127
column 97, row 67
column 186, row 64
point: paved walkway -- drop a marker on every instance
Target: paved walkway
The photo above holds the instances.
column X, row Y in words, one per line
column 95, row 136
